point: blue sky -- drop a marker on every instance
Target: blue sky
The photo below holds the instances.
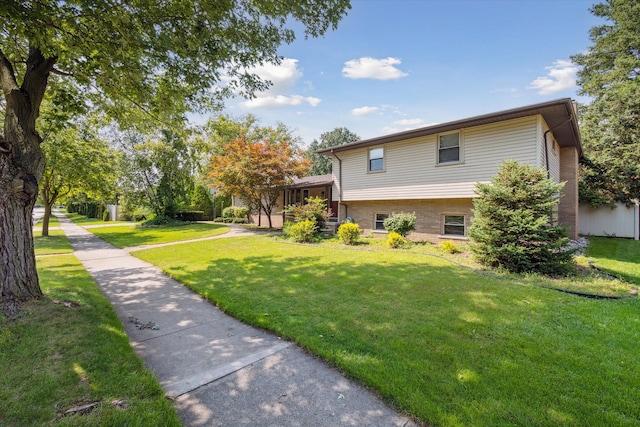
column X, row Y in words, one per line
column 394, row 65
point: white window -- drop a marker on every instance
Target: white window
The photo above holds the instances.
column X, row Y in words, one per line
column 379, row 221
column 449, row 148
column 376, row 159
column 454, row 225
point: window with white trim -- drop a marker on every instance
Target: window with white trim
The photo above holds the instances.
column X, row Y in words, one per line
column 379, row 221
column 454, row 225
column 376, row 159
column 449, row 148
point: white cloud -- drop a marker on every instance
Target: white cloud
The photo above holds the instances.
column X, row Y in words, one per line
column 270, row 101
column 283, row 77
column 363, row 111
column 372, row 68
column 561, row 76
column 409, row 123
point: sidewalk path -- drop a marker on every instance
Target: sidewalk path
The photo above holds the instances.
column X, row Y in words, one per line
column 219, row 371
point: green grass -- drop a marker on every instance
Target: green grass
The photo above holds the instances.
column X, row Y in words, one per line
column 70, row 350
column 444, row 343
column 131, row 235
column 587, row 281
column 618, row 256
column 83, row 220
column 53, row 222
column 55, row 243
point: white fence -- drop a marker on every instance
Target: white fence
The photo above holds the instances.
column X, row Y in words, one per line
column 622, row 221
column 114, row 212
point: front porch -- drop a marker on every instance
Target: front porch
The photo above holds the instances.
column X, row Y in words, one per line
column 310, row 186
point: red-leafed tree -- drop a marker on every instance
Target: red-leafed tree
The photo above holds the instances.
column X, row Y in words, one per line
column 257, row 172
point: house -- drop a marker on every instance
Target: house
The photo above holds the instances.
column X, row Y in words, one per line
column 433, row 171
column 296, row 193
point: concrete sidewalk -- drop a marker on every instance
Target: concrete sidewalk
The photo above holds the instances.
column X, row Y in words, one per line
column 218, row 371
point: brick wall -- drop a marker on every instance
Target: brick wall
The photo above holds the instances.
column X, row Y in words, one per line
column 568, row 205
column 429, row 214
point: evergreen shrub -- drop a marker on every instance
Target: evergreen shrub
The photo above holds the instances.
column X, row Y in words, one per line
column 513, row 223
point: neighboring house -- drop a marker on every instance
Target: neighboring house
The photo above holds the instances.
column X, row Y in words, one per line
column 296, row 193
column 433, row 171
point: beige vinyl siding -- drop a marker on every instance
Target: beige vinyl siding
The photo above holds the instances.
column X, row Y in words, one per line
column 553, row 151
column 411, row 170
column 335, row 175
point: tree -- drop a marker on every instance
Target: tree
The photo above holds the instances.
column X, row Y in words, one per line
column 77, row 161
column 321, row 165
column 222, row 129
column 257, row 172
column 201, row 201
column 139, row 63
column 610, row 124
column 512, row 219
column 161, row 167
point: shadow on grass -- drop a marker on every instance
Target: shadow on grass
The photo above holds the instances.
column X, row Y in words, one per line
column 443, row 343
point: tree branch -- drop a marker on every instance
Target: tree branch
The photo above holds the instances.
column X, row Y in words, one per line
column 60, row 72
column 7, row 75
column 36, row 76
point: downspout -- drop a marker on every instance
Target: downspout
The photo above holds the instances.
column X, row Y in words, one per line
column 339, row 185
column 546, row 152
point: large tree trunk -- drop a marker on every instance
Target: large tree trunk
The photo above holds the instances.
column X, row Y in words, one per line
column 21, row 167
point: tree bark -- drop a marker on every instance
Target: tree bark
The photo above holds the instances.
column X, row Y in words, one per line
column 45, row 218
column 21, row 167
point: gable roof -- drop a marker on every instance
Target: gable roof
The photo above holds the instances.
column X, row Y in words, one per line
column 561, row 117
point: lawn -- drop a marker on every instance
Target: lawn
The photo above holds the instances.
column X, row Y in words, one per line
column 131, row 235
column 83, row 220
column 55, row 243
column 70, row 350
column 444, row 343
column 53, row 222
column 617, row 256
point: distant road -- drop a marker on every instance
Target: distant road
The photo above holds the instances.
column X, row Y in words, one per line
column 38, row 213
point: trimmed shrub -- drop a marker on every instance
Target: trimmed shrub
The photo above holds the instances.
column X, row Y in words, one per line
column 303, row 231
column 315, row 209
column 349, row 233
column 286, row 228
column 401, row 223
column 229, row 212
column 106, row 216
column 449, row 247
column 235, row 212
column 395, row 240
